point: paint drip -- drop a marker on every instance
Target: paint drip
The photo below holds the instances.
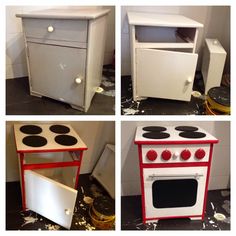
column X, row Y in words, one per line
column 52, row 227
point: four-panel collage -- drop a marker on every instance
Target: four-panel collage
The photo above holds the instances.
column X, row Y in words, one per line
column 117, row 117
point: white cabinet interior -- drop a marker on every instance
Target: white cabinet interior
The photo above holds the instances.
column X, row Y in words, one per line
column 163, row 57
column 65, row 51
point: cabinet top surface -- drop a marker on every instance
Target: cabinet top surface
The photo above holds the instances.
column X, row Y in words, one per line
column 215, row 46
column 86, row 14
column 47, row 138
column 164, row 20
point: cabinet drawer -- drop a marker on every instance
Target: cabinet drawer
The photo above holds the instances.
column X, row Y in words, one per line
column 165, row 74
column 62, row 30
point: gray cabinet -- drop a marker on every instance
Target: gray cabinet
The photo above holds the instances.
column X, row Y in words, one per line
column 65, row 51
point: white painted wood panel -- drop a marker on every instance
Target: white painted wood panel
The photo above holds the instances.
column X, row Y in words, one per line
column 167, row 20
column 54, row 70
column 104, row 170
column 165, row 74
column 95, row 55
column 152, row 212
column 67, row 30
column 50, row 199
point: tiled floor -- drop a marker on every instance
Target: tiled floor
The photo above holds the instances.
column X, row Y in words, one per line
column 19, row 101
column 155, row 106
column 218, row 201
column 16, row 219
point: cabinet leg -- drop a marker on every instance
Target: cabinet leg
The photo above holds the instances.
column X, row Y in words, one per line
column 22, row 181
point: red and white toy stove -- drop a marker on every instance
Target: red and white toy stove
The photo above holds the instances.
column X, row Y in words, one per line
column 50, row 157
column 174, row 171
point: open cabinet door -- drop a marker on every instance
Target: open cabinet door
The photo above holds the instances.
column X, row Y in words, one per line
column 49, row 198
column 165, row 74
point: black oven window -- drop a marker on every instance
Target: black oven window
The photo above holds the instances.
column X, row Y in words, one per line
column 174, row 193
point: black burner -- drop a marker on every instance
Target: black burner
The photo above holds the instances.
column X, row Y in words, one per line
column 154, row 128
column 34, row 141
column 30, row 129
column 156, row 135
column 192, row 135
column 66, row 140
column 59, row 129
column 186, row 128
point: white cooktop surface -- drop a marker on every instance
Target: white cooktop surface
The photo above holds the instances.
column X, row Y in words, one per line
column 174, row 135
column 51, row 144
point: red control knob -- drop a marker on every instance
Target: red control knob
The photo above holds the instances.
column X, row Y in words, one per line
column 200, row 153
column 185, row 154
column 151, row 155
column 166, row 155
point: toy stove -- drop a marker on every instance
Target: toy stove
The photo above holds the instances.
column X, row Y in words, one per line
column 174, row 170
column 50, row 157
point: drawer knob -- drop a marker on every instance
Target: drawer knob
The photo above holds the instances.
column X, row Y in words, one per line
column 50, row 29
column 189, row 80
column 78, row 80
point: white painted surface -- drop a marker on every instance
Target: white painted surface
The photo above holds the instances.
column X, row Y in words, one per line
column 213, row 63
column 168, row 20
column 49, row 135
column 95, row 55
column 96, row 134
column 220, row 167
column 174, row 135
column 165, row 74
column 50, row 198
column 15, row 49
column 214, row 27
column 104, row 170
column 175, row 151
column 151, row 211
column 65, row 13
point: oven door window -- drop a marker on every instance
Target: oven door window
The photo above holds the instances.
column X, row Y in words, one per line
column 174, row 193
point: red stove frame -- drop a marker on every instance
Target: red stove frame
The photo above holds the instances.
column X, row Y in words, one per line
column 172, row 143
column 76, row 160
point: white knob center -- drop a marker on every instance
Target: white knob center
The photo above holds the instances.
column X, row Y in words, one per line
column 50, row 29
column 176, row 154
column 78, row 80
column 189, row 80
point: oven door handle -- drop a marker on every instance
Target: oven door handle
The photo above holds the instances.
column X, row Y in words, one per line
column 196, row 176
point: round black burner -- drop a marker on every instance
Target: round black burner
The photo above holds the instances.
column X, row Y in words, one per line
column 156, row 135
column 30, row 129
column 154, row 128
column 59, row 129
column 34, row 141
column 192, row 135
column 66, row 140
column 186, row 128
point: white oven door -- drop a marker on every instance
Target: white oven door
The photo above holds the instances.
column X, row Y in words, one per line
column 174, row 192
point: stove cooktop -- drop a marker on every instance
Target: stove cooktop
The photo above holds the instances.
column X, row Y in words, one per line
column 42, row 137
column 172, row 133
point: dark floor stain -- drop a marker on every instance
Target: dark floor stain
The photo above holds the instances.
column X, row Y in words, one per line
column 20, row 102
column 16, row 219
column 131, row 215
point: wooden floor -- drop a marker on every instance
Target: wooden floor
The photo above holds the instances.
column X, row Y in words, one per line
column 16, row 219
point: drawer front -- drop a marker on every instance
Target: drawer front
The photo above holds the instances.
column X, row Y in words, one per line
column 54, row 29
column 54, row 71
column 165, row 74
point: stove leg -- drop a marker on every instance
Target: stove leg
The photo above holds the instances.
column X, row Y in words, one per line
column 22, row 181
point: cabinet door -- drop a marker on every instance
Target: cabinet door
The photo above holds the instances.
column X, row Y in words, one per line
column 53, row 70
column 49, row 198
column 165, row 74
